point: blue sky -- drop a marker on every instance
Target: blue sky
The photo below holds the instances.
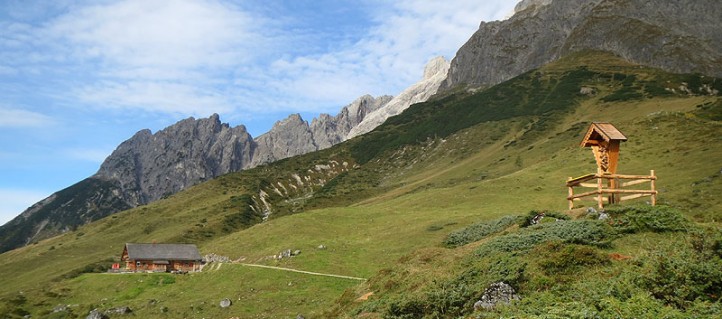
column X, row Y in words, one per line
column 79, row 77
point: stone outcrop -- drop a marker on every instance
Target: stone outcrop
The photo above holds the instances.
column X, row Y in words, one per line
column 676, row 36
column 151, row 166
column 329, row 131
column 434, row 74
column 287, row 138
column 294, row 136
column 496, row 293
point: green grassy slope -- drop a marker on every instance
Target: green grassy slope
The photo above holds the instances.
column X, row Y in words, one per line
column 437, row 168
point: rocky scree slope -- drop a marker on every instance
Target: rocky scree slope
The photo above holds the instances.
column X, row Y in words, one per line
column 676, row 36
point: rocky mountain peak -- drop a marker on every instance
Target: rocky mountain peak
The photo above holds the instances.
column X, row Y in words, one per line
column 437, row 66
column 434, row 74
column 526, row 4
column 149, row 166
column 652, row 33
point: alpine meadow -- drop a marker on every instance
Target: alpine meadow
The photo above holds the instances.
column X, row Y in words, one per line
column 456, row 207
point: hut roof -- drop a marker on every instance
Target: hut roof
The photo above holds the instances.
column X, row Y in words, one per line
column 602, row 131
column 158, row 252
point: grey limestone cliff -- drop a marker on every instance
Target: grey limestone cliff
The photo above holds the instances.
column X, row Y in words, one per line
column 150, row 166
column 674, row 35
column 294, row 136
column 329, row 131
column 434, row 74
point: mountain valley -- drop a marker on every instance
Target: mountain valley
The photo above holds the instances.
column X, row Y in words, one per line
column 436, row 204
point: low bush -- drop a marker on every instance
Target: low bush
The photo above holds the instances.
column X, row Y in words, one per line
column 560, row 258
column 528, row 220
column 681, row 275
column 478, row 231
column 641, row 218
column 583, row 232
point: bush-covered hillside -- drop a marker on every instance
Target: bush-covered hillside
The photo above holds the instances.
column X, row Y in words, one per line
column 431, row 208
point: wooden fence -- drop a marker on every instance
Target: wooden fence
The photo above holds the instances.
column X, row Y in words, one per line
column 609, row 188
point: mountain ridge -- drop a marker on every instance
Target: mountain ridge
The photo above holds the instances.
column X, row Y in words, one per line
column 150, row 166
column 675, row 36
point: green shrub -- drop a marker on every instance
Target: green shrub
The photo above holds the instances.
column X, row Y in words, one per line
column 584, row 232
column 560, row 258
column 478, row 231
column 548, row 216
column 641, row 218
column 685, row 275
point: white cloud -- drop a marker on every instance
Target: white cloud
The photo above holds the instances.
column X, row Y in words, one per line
column 19, row 118
column 15, row 201
column 164, row 34
column 157, row 56
column 391, row 56
column 196, row 57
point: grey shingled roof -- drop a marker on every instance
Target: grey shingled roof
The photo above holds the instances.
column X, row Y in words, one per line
column 163, row 252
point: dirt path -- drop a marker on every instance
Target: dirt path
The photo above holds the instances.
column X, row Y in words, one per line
column 303, row 272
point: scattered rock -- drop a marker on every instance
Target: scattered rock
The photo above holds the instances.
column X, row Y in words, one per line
column 321, row 247
column 499, row 292
column 537, row 219
column 225, row 303
column 300, row 317
column 60, row 308
column 591, row 210
column 125, row 310
column 96, row 314
column 585, row 90
column 216, row 258
column 603, row 216
column 287, row 253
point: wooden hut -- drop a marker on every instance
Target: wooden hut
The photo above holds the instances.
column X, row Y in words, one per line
column 604, row 139
column 161, row 257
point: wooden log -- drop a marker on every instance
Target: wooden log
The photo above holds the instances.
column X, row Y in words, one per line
column 627, row 191
column 594, row 192
column 612, row 191
column 621, row 176
column 600, row 200
column 575, row 181
column 634, row 196
column 588, row 185
column 641, row 181
column 653, row 187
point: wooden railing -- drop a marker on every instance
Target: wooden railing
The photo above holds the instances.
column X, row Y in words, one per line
column 609, row 188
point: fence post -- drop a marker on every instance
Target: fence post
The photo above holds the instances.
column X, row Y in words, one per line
column 654, row 187
column 600, row 198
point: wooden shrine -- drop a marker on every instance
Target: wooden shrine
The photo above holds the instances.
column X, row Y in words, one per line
column 604, row 140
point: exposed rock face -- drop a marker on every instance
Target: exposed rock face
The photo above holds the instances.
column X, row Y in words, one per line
column 496, row 293
column 287, row 138
column 329, row 131
column 434, row 74
column 294, row 136
column 677, row 36
column 150, row 166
